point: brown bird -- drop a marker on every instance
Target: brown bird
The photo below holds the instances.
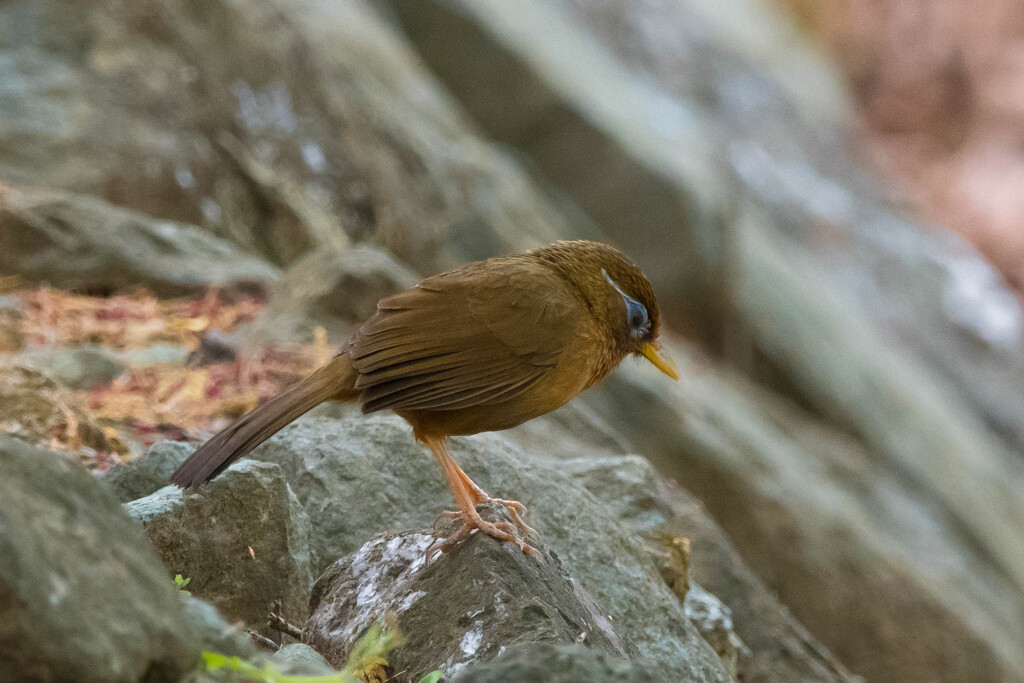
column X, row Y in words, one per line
column 481, row 348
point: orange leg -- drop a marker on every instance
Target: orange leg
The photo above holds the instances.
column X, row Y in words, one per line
column 514, row 507
column 467, row 496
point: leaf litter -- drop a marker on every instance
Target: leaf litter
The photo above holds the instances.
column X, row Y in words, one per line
column 151, row 402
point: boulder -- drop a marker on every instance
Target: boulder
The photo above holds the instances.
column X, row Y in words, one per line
column 145, row 475
column 243, row 540
column 159, row 354
column 81, row 368
column 365, row 475
column 214, row 632
column 741, row 617
column 299, row 659
column 327, row 124
column 467, row 606
column 556, row 663
column 330, row 287
column 77, row 241
column 714, row 621
column 83, row 597
column 853, row 549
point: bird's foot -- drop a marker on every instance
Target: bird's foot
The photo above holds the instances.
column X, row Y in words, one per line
column 514, row 508
column 504, row 532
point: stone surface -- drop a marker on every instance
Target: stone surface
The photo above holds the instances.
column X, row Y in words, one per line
column 76, row 241
column 299, row 659
column 83, row 597
column 214, row 632
column 365, row 475
column 553, row 663
column 465, row 607
column 776, row 647
column 714, row 621
column 326, row 125
column 82, row 368
column 243, row 540
column 332, row 287
column 823, row 526
column 158, row 354
column 140, row 477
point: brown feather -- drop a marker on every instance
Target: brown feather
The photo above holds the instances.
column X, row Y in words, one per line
column 456, row 340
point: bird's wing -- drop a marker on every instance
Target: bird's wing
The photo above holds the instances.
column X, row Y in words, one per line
column 474, row 336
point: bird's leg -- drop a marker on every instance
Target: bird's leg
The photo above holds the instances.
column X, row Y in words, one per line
column 465, row 497
column 514, row 507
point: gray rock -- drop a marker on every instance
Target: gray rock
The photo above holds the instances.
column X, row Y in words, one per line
column 69, row 241
column 366, row 475
column 82, row 368
column 82, row 595
column 243, row 540
column 214, row 632
column 465, row 607
column 776, row 647
column 714, row 621
column 554, row 663
column 143, row 476
column 158, row 354
column 332, row 287
column 232, row 640
column 815, row 515
column 299, row 659
column 279, row 155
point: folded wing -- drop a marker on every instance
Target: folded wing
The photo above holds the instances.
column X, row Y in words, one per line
column 472, row 337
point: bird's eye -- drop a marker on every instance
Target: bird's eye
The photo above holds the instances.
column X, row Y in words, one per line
column 636, row 313
column 639, row 323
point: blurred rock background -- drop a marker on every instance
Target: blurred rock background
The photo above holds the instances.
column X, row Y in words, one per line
column 824, row 194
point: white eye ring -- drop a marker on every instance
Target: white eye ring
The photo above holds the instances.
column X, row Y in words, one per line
column 633, row 309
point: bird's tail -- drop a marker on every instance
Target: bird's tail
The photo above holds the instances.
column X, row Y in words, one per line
column 334, row 381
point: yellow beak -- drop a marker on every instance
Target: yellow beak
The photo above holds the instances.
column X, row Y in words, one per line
column 663, row 363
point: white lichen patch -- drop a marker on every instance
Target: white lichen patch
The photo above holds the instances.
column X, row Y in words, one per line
column 714, row 621
column 706, row 611
column 382, row 572
column 468, row 646
column 59, row 589
column 470, row 642
column 410, row 600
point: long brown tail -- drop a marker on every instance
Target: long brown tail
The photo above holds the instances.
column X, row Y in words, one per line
column 334, row 381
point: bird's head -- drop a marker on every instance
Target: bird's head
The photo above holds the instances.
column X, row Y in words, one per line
column 619, row 295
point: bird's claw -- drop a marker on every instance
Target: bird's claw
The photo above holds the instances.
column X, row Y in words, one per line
column 504, row 532
column 515, row 510
column 447, row 515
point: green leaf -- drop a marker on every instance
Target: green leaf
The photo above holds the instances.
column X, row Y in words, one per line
column 181, row 583
column 432, row 677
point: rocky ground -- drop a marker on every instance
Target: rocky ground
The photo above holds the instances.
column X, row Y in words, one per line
column 199, row 201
